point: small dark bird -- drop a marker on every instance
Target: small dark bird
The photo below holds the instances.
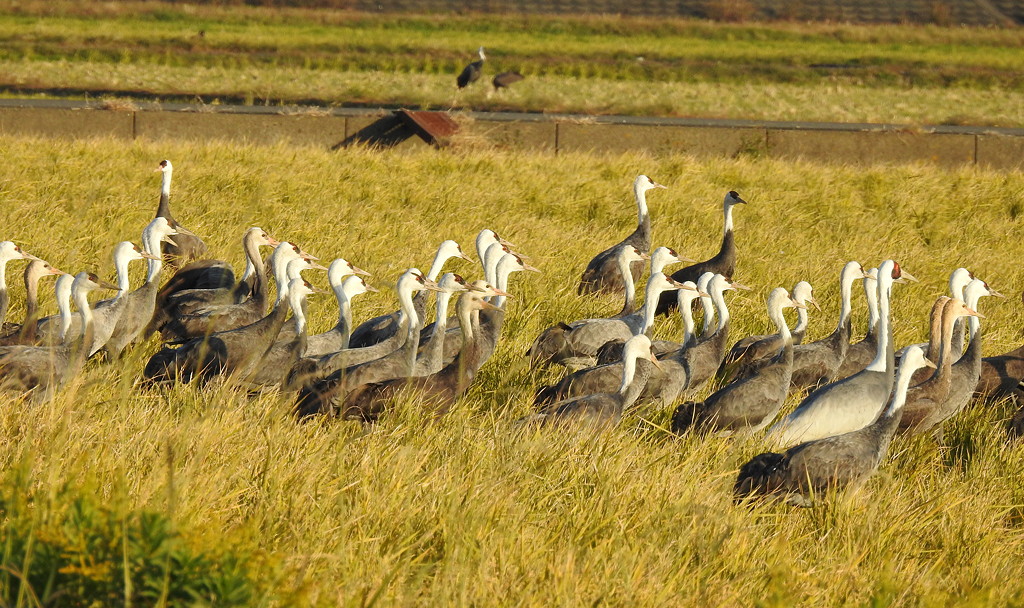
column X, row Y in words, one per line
column 471, row 73
column 505, row 79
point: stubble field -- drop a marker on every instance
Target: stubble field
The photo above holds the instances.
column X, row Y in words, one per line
column 118, row 495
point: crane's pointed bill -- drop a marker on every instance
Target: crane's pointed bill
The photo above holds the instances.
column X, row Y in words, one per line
column 316, row 266
column 906, row 277
column 358, row 270
column 149, row 256
column 485, row 305
column 736, row 285
column 462, row 254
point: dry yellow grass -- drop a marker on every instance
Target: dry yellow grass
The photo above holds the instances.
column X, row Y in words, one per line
column 465, row 510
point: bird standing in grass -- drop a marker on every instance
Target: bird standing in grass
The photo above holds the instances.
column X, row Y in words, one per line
column 471, row 73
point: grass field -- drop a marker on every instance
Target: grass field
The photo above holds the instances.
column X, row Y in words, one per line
column 109, row 493
column 606, row 65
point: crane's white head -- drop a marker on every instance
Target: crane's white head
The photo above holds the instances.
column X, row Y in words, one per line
column 733, row 198
column 644, row 183
column 663, row 256
column 511, row 262
column 341, row 268
column 451, row 249
column 639, row 347
column 297, row 265
column 126, row 251
column 896, row 272
column 780, row 299
column 851, row 273
column 958, row 280
column 913, row 359
column 164, row 167
column 353, row 286
column 10, row 251
column 261, row 237
column 452, row 283
column 803, row 294
column 630, row 254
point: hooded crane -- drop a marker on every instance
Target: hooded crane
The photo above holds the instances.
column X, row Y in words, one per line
column 471, row 73
column 813, row 467
column 602, row 274
column 184, row 246
column 724, row 262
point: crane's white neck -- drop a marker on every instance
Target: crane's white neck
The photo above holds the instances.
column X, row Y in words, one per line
column 627, row 280
column 151, row 243
column 297, row 300
column 438, row 264
column 973, row 323
column 801, row 320
column 727, row 212
column 495, row 251
column 655, row 286
column 501, row 282
column 687, row 315
column 165, row 183
column 899, row 396
column 718, row 295
column 782, row 328
column 81, row 298
column 707, row 304
column 846, row 297
column 880, row 363
column 63, row 290
column 441, row 322
column 871, row 294
column 641, row 201
column 3, row 272
column 281, row 279
column 344, row 312
column 407, row 307
column 121, row 264
column 628, row 372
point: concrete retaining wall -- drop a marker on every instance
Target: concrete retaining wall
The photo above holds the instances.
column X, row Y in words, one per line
column 822, row 142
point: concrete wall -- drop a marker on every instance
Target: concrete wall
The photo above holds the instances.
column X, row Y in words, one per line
column 1001, row 149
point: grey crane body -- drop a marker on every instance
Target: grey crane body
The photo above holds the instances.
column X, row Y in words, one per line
column 604, row 409
column 208, row 283
column 602, row 274
column 231, row 353
column 285, row 351
column 28, row 368
column 748, row 405
column 813, row 467
column 441, row 387
column 323, row 392
column 337, row 338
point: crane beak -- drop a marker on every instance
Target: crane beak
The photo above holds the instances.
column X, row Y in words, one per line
column 431, row 285
column 814, row 303
column 55, row 271
column 736, row 285
column 703, row 294
column 797, row 304
column 657, row 364
column 973, row 313
column 645, row 256
column 505, row 243
column 685, row 259
column 485, row 305
column 315, row 266
column 906, row 277
column 993, row 292
column 358, row 270
column 501, row 292
column 149, row 256
column 463, row 255
column 106, row 285
column 530, row 268
column 657, row 185
column 371, row 288
column 272, row 242
column 928, row 362
column 475, row 288
column 307, row 256
column 315, row 289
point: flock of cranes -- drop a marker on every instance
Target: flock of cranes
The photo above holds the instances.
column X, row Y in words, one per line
column 215, row 325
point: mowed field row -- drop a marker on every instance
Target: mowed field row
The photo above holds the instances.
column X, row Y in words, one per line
column 253, row 508
column 603, row 65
